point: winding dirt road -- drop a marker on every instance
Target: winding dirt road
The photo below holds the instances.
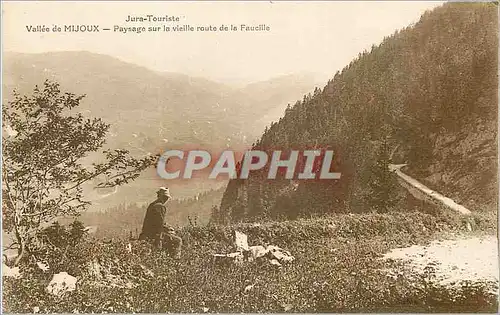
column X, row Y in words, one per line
column 411, row 184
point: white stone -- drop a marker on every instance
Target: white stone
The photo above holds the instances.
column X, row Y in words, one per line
column 256, row 252
column 282, row 256
column 240, row 241
column 61, row 283
column 10, row 272
column 42, row 266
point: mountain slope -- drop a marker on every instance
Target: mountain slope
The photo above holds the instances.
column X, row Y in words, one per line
column 137, row 102
column 427, row 96
column 270, row 98
column 145, row 106
column 150, row 111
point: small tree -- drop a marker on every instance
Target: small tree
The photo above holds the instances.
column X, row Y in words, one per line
column 382, row 183
column 76, row 232
column 45, row 143
column 56, row 235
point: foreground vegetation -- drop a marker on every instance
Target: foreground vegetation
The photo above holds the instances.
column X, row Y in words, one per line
column 337, row 269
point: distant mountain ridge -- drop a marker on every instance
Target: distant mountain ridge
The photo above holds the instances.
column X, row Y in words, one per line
column 151, row 111
column 170, row 106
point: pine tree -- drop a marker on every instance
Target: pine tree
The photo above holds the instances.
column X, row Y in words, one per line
column 382, row 183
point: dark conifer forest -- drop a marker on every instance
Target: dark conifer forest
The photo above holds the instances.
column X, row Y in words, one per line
column 426, row 96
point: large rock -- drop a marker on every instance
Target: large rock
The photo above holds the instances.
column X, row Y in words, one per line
column 61, row 283
column 255, row 252
column 10, row 272
column 240, row 241
column 274, row 254
column 283, row 256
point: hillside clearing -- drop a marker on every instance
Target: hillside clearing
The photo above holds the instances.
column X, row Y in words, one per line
column 338, row 268
column 472, row 259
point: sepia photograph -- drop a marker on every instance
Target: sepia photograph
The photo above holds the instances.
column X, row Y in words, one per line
column 249, row 157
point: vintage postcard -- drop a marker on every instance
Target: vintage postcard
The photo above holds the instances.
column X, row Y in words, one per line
column 249, row 157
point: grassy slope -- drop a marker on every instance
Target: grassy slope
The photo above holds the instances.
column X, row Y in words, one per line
column 337, row 269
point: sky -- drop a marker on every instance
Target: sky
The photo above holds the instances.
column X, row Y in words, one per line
column 314, row 37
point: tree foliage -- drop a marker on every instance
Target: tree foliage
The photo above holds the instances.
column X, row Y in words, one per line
column 382, row 184
column 50, row 151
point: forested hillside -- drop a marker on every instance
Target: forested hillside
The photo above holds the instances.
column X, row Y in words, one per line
column 150, row 111
column 426, row 96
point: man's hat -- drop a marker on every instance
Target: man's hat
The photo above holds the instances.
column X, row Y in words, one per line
column 167, row 228
column 164, row 191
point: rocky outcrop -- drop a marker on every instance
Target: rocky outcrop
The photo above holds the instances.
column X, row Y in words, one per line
column 244, row 253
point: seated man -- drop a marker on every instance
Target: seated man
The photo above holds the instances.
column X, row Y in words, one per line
column 171, row 242
column 154, row 228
